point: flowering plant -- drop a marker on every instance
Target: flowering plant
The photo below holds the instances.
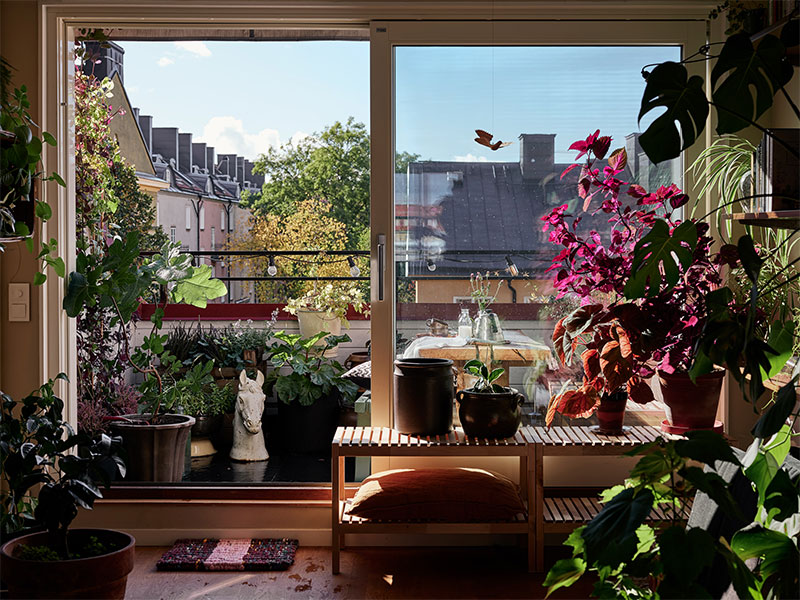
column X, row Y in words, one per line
column 331, row 299
column 653, row 312
column 481, row 290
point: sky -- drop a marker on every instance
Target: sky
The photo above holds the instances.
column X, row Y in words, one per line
column 243, row 97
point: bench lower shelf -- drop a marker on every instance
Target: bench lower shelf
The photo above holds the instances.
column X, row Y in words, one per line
column 562, row 514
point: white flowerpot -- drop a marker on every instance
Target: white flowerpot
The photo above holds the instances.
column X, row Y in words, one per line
column 312, row 322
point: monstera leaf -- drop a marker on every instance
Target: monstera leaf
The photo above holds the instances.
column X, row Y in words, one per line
column 745, row 80
column 670, row 86
column 199, row 287
column 659, row 250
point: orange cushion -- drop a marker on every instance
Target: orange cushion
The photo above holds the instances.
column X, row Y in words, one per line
column 453, row 495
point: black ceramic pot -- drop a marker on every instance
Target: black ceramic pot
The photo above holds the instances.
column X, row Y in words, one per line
column 423, row 395
column 490, row 415
column 308, row 429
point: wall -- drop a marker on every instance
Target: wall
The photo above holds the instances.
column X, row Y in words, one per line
column 124, row 127
column 19, row 342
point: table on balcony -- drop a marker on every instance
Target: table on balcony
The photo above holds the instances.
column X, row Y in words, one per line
column 520, row 351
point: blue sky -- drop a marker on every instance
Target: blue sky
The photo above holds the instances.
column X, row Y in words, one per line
column 244, row 96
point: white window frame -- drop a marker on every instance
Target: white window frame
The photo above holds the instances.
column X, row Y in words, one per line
column 188, row 217
column 202, row 218
column 222, row 220
column 173, row 234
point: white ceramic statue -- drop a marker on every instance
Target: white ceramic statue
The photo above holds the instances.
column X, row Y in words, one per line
column 248, row 438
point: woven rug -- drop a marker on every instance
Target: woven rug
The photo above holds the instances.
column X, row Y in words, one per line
column 229, row 555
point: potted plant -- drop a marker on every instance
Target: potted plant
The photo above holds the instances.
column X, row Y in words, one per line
column 324, row 309
column 310, row 390
column 115, row 278
column 207, row 403
column 20, row 170
column 40, row 448
column 486, row 325
column 636, row 318
column 488, row 410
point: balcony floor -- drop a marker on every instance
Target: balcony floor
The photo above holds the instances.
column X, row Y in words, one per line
column 485, row 572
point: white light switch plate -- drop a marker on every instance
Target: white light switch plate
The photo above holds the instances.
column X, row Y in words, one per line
column 19, row 302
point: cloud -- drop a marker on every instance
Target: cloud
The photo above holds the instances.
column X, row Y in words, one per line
column 228, row 136
column 164, row 61
column 198, row 48
column 470, row 158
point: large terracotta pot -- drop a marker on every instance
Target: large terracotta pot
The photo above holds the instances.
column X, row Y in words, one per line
column 423, row 395
column 155, row 452
column 690, row 405
column 103, row 576
column 611, row 412
column 490, row 415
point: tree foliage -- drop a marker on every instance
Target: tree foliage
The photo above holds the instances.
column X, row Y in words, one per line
column 331, row 166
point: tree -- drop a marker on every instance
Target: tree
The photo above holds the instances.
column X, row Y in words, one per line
column 402, row 160
column 331, row 166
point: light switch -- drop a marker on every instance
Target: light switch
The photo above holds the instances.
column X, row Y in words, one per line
column 19, row 302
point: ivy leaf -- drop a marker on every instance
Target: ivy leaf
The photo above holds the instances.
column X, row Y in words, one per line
column 58, row 179
column 781, row 340
column 778, row 554
column 48, row 138
column 564, row 573
column 39, row 278
column 199, row 288
column 746, row 78
column 670, row 86
column 43, row 210
column 771, row 421
column 77, row 294
column 659, row 250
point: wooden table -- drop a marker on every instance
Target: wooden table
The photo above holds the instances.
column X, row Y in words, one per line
column 382, row 441
column 507, row 355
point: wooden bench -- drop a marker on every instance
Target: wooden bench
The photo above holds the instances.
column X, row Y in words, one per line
column 382, row 441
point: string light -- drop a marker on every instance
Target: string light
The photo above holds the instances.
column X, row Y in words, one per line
column 354, row 270
column 272, row 270
column 431, row 265
column 512, row 268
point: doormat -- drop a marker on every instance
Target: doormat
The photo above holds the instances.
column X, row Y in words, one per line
column 229, row 555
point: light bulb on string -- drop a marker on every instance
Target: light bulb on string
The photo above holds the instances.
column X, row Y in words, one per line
column 354, row 270
column 272, row 270
column 431, row 265
column 512, row 268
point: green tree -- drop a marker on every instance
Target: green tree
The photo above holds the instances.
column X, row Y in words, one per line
column 136, row 209
column 403, row 159
column 332, row 166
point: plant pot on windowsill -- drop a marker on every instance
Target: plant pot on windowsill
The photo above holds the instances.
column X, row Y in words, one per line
column 156, row 452
column 690, row 405
column 102, row 576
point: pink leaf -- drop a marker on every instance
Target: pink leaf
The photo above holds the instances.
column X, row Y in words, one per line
column 568, row 169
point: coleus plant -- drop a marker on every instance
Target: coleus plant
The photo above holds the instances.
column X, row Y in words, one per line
column 636, row 315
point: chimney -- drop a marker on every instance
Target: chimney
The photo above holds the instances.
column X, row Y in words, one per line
column 536, row 154
column 199, row 154
column 165, row 143
column 210, row 159
column 185, row 152
column 111, row 60
column 255, row 179
column 226, row 164
column 146, row 127
column 633, row 149
column 240, row 168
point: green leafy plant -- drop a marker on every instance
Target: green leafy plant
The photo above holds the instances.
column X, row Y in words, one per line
column 40, row 448
column 20, row 168
column 312, row 376
column 485, row 378
column 213, row 400
column 333, row 300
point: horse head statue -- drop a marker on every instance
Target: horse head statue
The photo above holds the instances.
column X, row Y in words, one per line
column 250, row 401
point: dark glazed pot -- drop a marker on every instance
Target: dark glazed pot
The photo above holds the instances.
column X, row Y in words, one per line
column 490, row 415
column 611, row 412
column 690, row 405
column 308, row 429
column 103, row 576
column 423, row 395
column 155, row 452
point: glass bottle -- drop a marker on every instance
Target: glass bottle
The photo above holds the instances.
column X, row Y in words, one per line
column 464, row 324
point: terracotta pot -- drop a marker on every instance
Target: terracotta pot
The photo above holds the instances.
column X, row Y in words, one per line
column 103, row 576
column 155, row 452
column 490, row 415
column 611, row 412
column 423, row 395
column 690, row 405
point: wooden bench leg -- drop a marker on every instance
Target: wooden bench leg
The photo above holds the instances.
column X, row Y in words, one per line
column 336, row 474
column 537, row 483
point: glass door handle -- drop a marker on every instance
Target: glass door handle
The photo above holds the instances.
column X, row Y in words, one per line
column 381, row 264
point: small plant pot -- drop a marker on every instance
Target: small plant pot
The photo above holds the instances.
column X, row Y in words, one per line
column 423, row 395
column 155, row 452
column 312, row 322
column 103, row 576
column 490, row 415
column 308, row 429
column 204, row 428
column 691, row 405
column 611, row 413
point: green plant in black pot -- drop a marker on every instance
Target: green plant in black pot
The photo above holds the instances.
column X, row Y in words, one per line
column 40, row 448
column 488, row 410
column 310, row 390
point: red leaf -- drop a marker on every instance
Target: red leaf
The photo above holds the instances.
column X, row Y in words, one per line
column 583, row 187
column 621, row 336
column 579, row 145
column 578, row 404
column 552, row 409
column 637, row 191
column 600, row 147
column 591, row 364
column 615, row 368
column 618, row 159
column 559, row 331
column 639, row 390
column 588, row 201
column 568, row 169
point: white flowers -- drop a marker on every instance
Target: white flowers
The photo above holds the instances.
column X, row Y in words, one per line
column 331, row 299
